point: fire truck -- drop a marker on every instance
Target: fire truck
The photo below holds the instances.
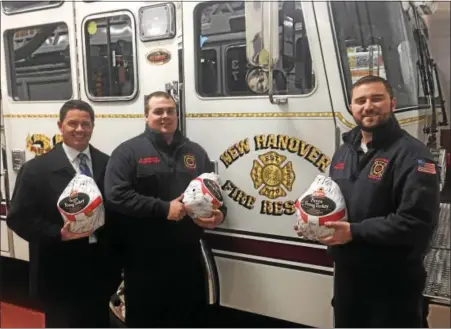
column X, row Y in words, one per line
column 264, row 87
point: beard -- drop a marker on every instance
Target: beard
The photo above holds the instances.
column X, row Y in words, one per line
column 373, row 127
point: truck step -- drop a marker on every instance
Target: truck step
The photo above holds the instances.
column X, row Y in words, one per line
column 438, row 260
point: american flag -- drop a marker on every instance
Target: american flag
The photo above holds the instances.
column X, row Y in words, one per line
column 426, row 167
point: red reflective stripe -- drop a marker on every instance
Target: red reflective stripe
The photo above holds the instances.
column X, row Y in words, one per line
column 3, row 209
column 330, row 218
column 97, row 202
column 216, row 203
column 271, row 249
column 71, row 217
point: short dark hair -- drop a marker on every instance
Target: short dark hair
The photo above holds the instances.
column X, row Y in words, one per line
column 372, row 79
column 162, row 94
column 76, row 104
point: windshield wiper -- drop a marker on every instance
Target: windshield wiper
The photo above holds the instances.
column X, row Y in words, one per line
column 427, row 68
column 441, row 99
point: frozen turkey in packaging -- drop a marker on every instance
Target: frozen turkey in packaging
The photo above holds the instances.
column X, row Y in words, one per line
column 81, row 204
column 322, row 202
column 203, row 194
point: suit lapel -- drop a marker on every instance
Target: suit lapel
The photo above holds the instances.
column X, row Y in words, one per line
column 97, row 164
column 60, row 161
column 63, row 167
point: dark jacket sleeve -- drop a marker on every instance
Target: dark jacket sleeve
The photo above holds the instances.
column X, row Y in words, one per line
column 417, row 214
column 24, row 216
column 121, row 196
column 113, row 242
column 208, row 167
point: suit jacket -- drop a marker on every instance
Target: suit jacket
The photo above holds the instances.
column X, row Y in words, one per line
column 60, row 268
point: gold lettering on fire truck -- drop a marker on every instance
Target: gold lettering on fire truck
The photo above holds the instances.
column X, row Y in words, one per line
column 277, row 208
column 40, row 144
column 235, row 152
column 293, row 145
column 239, row 196
column 272, row 175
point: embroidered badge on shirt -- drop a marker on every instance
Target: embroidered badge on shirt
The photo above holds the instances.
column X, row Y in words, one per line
column 378, row 168
column 190, row 161
column 426, row 167
column 149, row 160
column 340, row 166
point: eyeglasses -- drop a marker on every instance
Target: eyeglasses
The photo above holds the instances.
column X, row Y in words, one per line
column 169, row 111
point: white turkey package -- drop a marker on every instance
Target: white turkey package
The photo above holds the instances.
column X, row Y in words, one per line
column 81, row 204
column 202, row 195
column 322, row 202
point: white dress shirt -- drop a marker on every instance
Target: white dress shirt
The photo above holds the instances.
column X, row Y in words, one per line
column 364, row 147
column 74, row 160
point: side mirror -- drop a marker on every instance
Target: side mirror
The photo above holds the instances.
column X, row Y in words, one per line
column 271, row 28
column 288, row 43
column 262, row 32
column 254, row 36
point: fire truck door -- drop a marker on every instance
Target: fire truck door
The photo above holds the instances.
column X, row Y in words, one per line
column 128, row 50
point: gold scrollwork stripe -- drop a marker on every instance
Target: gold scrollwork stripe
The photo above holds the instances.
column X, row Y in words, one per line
column 193, row 115
column 339, row 115
column 411, row 120
column 261, row 115
column 344, row 121
column 30, row 116
column 47, row 116
column 402, row 122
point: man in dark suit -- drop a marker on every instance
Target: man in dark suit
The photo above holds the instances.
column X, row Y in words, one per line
column 72, row 274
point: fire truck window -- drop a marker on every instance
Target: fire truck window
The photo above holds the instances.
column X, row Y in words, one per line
column 12, row 7
column 39, row 63
column 221, row 25
column 110, row 58
column 208, row 80
column 236, row 69
column 376, row 38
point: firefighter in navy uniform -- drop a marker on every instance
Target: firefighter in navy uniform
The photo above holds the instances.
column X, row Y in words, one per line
column 391, row 187
column 164, row 278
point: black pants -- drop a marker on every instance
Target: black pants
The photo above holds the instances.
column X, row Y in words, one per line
column 384, row 298
column 76, row 312
column 168, row 289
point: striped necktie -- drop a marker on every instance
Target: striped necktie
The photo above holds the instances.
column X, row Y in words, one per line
column 84, row 169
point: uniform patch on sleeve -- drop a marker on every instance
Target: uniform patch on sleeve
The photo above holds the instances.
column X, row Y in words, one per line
column 426, row 167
